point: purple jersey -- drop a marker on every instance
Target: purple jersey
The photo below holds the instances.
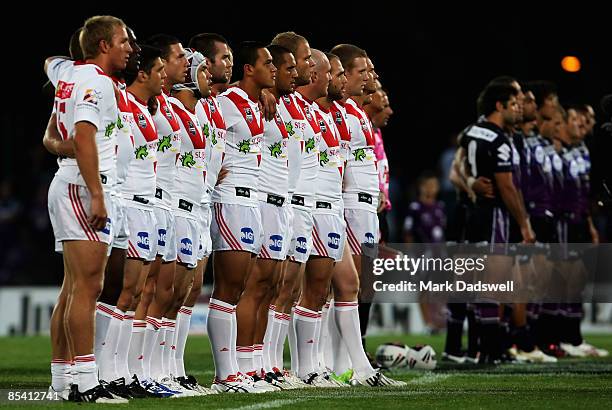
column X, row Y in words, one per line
column 516, row 145
column 538, row 192
column 570, row 204
column 426, row 222
column 584, row 164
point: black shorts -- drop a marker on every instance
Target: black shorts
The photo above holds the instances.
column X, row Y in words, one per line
column 457, row 231
column 489, row 224
column 544, row 229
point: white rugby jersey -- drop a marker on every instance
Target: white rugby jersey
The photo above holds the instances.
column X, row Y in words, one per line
column 361, row 188
column 274, row 167
column 295, row 123
column 60, row 68
column 244, row 125
column 88, row 94
column 331, row 163
column 338, row 113
column 168, row 148
column 305, row 189
column 143, row 161
column 190, row 182
column 211, row 151
column 215, row 141
column 125, row 140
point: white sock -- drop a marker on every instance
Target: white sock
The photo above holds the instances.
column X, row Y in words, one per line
column 219, row 328
column 170, row 326
column 315, row 348
column 335, row 352
column 347, row 319
column 306, row 334
column 150, row 338
column 268, row 342
column 283, row 320
column 106, row 358
column 104, row 313
column 173, row 370
column 157, row 371
column 324, row 336
column 244, row 354
column 258, row 358
column 87, row 372
column 123, row 347
column 293, row 350
column 135, row 355
column 183, row 319
column 61, row 378
column 234, row 337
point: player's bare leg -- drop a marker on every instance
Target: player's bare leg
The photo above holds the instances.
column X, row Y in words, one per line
column 61, row 354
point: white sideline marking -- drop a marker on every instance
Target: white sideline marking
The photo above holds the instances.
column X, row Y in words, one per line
column 429, row 378
column 270, row 404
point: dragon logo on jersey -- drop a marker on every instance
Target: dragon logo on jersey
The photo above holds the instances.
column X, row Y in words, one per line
column 92, row 96
column 244, row 146
column 289, row 128
column 109, row 130
column 213, row 138
column 142, row 121
column 248, row 114
column 323, row 158
column 323, row 126
column 191, row 128
column 275, row 149
column 164, row 143
column 141, row 152
column 310, row 144
column 119, row 122
column 206, row 130
column 187, row 160
column 359, row 154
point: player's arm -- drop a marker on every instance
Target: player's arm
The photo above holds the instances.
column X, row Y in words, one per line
column 593, row 231
column 481, row 185
column 513, row 201
column 268, row 104
column 53, row 142
column 49, row 60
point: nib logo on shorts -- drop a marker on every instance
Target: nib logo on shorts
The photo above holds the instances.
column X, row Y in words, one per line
column 161, row 237
column 301, row 245
column 276, row 243
column 143, row 240
column 107, row 228
column 334, row 240
column 247, row 236
column 369, row 237
column 186, row 246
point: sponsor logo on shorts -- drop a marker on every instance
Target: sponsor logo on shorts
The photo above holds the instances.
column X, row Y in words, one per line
column 276, row 243
column 334, row 240
column 247, row 236
column 161, row 237
column 143, row 240
column 186, row 246
column 301, row 245
column 107, row 228
column 369, row 237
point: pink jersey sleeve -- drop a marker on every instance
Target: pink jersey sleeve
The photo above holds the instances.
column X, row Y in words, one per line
column 383, row 165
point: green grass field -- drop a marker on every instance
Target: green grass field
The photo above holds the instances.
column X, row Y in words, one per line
column 571, row 383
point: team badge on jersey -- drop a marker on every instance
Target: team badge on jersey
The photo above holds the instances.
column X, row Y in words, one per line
column 323, row 158
column 64, row 90
column 142, row 121
column 244, row 146
column 286, row 99
column 364, row 126
column 310, row 144
column 92, row 96
column 168, row 113
column 338, row 117
column 248, row 113
column 211, row 104
column 307, row 112
column 187, row 160
column 191, row 127
column 275, row 149
column 141, row 152
column 323, row 126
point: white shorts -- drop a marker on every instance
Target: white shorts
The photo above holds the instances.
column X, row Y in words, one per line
column 361, row 228
column 275, row 241
column 69, row 205
column 121, row 228
column 205, row 239
column 328, row 236
column 142, row 243
column 301, row 238
column 166, row 234
column 236, row 228
column 187, row 238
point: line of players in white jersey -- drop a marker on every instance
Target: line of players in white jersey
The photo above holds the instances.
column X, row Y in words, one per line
column 163, row 163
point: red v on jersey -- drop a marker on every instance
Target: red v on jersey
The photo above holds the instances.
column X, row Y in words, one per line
column 281, row 125
column 338, row 118
column 364, row 122
column 257, row 128
column 214, row 115
column 165, row 110
column 326, row 132
column 147, row 128
column 309, row 115
column 294, row 111
column 194, row 131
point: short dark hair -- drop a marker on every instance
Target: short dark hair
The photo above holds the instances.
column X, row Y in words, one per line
column 491, row 95
column 148, row 55
column 246, row 53
column 347, row 53
column 278, row 53
column 541, row 90
column 504, row 80
column 163, row 43
column 76, row 52
column 331, row 56
column 205, row 44
column 289, row 39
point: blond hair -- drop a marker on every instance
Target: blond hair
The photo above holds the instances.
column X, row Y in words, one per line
column 96, row 29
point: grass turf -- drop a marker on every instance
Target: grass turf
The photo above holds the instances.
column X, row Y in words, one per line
column 571, row 383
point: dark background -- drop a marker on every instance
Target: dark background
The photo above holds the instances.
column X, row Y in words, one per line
column 433, row 65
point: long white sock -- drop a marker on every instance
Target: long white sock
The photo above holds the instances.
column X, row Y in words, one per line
column 306, row 334
column 106, row 358
column 347, row 319
column 258, row 358
column 283, row 320
column 104, row 313
column 315, row 348
column 87, row 371
column 149, row 343
column 157, row 356
column 173, row 370
column 61, row 378
column 183, row 320
column 324, row 336
column 244, row 355
column 170, row 326
column 293, row 350
column 268, row 342
column 234, row 337
column 123, row 347
column 135, row 356
column 219, row 328
column 336, row 353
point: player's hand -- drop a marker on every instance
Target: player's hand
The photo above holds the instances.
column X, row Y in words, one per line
column 527, row 233
column 594, row 235
column 97, row 213
column 222, row 174
column 268, row 103
column 382, row 202
column 483, row 187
